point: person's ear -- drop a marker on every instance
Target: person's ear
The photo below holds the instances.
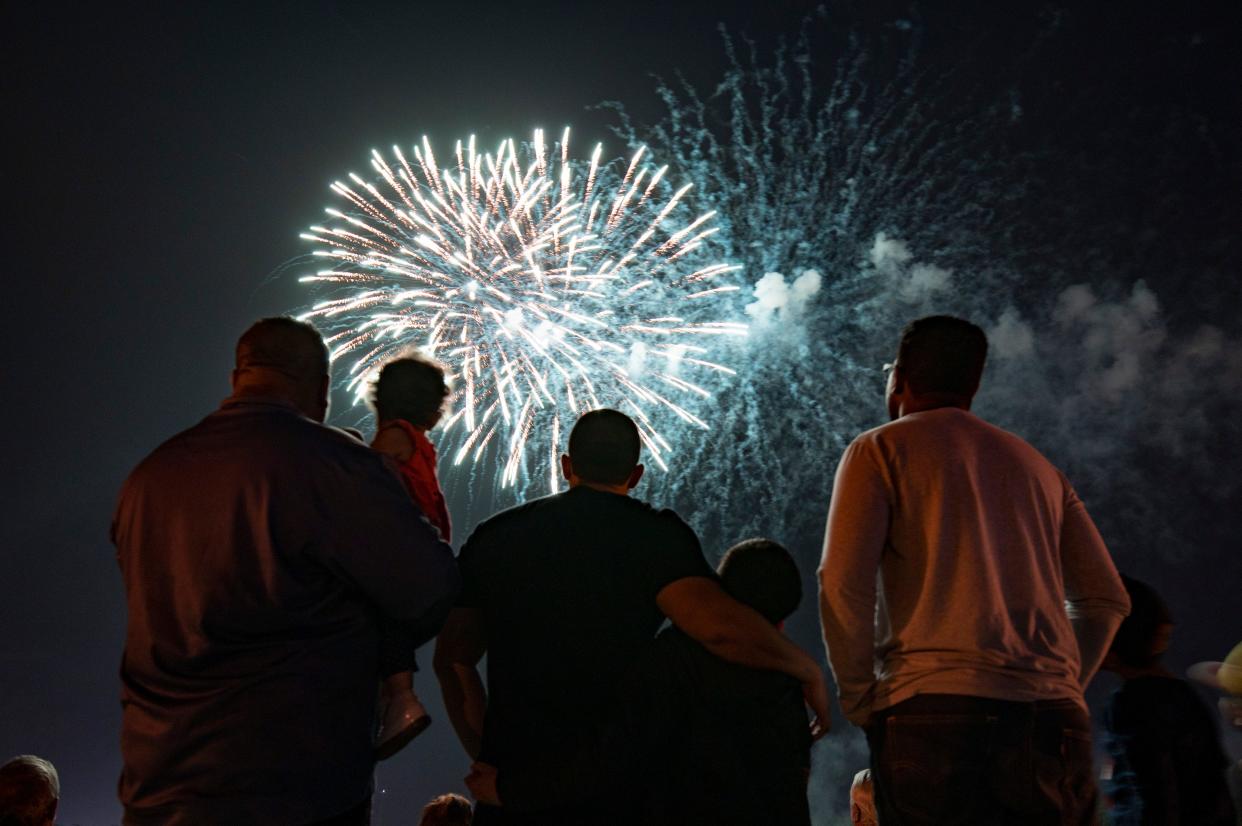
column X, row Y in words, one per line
column 899, row 379
column 325, row 389
column 567, row 468
column 635, row 475
column 233, row 380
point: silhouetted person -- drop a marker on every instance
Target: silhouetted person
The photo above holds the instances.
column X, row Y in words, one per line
column 408, row 397
column 951, row 552
column 29, row 792
column 447, row 810
column 1168, row 763
column 693, row 739
column 258, row 549
column 1226, row 676
column 564, row 594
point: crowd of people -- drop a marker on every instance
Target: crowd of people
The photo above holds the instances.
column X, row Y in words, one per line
column 280, row 574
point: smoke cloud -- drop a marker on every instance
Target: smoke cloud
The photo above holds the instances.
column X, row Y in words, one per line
column 776, row 301
column 911, row 283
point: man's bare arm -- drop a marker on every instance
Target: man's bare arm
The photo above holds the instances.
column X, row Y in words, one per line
column 462, row 643
column 738, row 634
column 857, row 530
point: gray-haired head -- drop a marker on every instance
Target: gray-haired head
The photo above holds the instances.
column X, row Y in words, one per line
column 29, row 792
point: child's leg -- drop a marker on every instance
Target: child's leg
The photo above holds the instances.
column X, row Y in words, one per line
column 401, row 715
column 396, row 683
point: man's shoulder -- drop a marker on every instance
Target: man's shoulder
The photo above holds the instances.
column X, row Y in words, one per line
column 500, row 528
column 517, row 515
column 944, row 425
column 262, row 436
column 634, row 514
column 567, row 504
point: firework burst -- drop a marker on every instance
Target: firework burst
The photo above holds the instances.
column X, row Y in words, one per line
column 547, row 285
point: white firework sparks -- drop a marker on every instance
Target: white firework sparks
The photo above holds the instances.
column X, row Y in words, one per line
column 546, row 285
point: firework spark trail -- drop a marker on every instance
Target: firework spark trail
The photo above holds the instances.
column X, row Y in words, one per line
column 545, row 285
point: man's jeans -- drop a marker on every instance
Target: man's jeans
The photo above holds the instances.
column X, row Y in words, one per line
column 949, row 759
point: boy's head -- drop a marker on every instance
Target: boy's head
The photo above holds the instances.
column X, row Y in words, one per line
column 1143, row 636
column 761, row 573
column 412, row 388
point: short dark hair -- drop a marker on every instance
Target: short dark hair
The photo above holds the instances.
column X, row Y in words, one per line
column 604, row 446
column 943, row 354
column 762, row 574
column 447, row 810
column 412, row 388
column 285, row 345
column 1138, row 642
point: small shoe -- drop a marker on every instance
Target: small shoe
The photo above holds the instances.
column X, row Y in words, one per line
column 404, row 719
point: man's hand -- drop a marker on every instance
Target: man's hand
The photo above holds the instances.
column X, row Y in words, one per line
column 482, row 783
column 815, row 692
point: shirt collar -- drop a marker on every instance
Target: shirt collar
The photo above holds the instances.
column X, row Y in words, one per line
column 259, row 401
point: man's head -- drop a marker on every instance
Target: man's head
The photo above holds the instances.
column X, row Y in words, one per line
column 762, row 574
column 286, row 359
column 603, row 452
column 1144, row 635
column 939, row 364
column 29, row 791
column 447, row 810
column 411, row 388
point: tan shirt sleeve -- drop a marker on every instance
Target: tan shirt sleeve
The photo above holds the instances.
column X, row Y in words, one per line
column 853, row 543
column 1092, row 586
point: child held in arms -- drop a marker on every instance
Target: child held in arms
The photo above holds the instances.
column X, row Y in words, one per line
column 408, row 398
column 1169, row 766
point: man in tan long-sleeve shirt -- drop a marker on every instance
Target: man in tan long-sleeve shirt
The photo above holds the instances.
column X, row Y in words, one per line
column 966, row 600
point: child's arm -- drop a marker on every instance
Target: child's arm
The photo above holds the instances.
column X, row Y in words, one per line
column 394, row 442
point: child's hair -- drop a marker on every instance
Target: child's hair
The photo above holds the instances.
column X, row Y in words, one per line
column 412, row 388
column 761, row 573
column 1141, row 640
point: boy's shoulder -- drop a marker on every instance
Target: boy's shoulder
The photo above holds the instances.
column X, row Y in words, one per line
column 716, row 679
column 1154, row 702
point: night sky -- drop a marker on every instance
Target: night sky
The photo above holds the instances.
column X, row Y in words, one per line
column 167, row 158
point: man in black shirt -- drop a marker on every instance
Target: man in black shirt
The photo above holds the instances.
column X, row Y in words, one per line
column 564, row 594
column 693, row 740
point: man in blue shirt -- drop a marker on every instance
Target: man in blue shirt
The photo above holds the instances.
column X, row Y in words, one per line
column 258, row 550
